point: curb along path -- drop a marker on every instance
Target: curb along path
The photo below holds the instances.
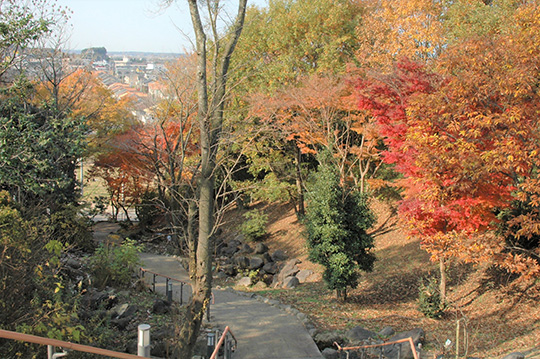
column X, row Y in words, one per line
column 263, row 331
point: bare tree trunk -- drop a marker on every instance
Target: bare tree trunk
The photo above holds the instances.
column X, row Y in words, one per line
column 442, row 284
column 341, row 295
column 299, row 185
column 192, row 237
column 211, row 101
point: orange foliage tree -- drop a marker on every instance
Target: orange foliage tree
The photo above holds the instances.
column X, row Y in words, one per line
column 395, row 29
column 82, row 94
column 321, row 113
column 466, row 142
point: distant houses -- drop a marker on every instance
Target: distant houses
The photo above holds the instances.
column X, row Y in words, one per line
column 133, row 78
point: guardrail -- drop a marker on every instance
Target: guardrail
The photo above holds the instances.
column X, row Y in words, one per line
column 225, row 341
column 168, row 292
column 52, row 343
column 363, row 347
column 168, row 287
column 168, row 283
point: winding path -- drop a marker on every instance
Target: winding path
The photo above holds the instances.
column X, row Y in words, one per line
column 263, row 331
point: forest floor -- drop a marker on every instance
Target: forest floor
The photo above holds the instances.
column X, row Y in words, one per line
column 497, row 316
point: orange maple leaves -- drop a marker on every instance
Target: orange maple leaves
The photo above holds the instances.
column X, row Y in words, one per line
column 466, row 139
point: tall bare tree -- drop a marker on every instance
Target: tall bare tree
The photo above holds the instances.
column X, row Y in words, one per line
column 214, row 49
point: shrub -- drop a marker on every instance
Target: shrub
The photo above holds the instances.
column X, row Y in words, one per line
column 70, row 227
column 337, row 220
column 114, row 265
column 429, row 298
column 254, row 228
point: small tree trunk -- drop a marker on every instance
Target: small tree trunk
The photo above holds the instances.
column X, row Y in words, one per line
column 442, row 284
column 341, row 295
column 299, row 186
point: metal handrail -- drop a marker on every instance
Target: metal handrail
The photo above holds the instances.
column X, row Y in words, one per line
column 409, row 340
column 182, row 283
column 163, row 275
column 222, row 341
column 167, row 278
column 62, row 344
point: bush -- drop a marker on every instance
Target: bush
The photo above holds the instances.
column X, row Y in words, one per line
column 429, row 298
column 254, row 228
column 337, row 223
column 114, row 265
column 70, row 227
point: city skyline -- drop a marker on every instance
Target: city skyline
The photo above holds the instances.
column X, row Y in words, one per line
column 131, row 25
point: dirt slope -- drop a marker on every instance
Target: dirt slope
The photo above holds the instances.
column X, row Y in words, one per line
column 499, row 316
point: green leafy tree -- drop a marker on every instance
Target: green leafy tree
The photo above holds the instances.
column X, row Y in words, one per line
column 38, row 151
column 337, row 221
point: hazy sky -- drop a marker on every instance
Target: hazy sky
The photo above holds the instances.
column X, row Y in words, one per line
column 131, row 25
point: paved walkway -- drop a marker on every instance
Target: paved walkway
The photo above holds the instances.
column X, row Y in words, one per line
column 263, row 331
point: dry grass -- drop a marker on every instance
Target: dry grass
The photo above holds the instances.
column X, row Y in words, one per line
column 499, row 316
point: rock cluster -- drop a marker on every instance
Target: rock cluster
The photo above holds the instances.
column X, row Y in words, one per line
column 243, row 262
column 359, row 336
column 107, row 305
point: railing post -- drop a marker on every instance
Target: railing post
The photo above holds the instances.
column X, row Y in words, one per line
column 210, row 344
column 143, row 344
column 169, row 290
column 181, row 292
column 154, row 283
column 50, row 351
column 228, row 349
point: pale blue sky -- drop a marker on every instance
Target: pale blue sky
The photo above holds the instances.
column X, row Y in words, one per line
column 131, row 25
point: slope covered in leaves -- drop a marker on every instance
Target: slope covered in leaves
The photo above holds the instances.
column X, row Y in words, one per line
column 499, row 317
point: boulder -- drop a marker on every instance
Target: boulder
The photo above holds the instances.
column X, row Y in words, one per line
column 279, row 255
column 122, row 323
column 242, row 262
column 246, row 249
column 358, row 335
column 234, row 243
column 73, row 263
column 270, row 268
column 329, row 353
column 261, row 248
column 94, row 300
column 289, row 270
column 221, row 275
column 163, row 333
column 303, row 275
column 161, row 307
column 514, row 355
column 255, row 263
column 260, row 285
column 267, row 258
column 229, row 270
column 387, row 332
column 228, row 251
column 327, row 339
column 244, row 281
column 290, row 283
column 391, row 351
column 123, row 311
